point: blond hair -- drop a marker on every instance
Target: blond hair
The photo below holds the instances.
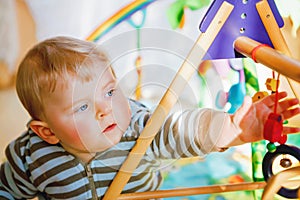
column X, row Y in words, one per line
column 51, row 60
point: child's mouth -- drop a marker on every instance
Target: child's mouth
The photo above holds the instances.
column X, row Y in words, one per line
column 109, row 128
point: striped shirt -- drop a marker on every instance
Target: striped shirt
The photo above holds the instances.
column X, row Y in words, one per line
column 36, row 168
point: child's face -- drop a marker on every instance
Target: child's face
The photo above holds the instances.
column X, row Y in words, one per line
column 88, row 117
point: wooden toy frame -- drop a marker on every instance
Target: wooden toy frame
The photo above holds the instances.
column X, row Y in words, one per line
column 265, row 55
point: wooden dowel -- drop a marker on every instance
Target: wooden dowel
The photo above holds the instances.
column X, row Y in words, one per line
column 272, row 28
column 169, row 99
column 276, row 37
column 193, row 191
column 269, row 57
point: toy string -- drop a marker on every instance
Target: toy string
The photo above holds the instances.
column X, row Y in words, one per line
column 138, row 92
column 138, row 26
column 276, row 92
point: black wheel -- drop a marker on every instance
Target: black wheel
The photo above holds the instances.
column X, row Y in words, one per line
column 268, row 164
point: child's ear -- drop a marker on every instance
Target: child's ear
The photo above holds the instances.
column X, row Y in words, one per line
column 41, row 129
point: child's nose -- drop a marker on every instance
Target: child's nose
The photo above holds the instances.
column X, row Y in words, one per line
column 102, row 109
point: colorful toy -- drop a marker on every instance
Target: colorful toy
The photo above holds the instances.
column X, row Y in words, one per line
column 138, row 61
column 259, row 95
column 215, row 22
column 240, row 23
column 236, row 93
column 271, row 84
column 285, row 153
column 273, row 129
column 273, row 132
column 176, row 11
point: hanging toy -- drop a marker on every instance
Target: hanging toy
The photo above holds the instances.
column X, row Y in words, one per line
column 138, row 90
column 138, row 60
column 289, row 157
column 271, row 84
column 176, row 11
column 259, row 95
column 273, row 128
column 236, row 93
column 273, row 132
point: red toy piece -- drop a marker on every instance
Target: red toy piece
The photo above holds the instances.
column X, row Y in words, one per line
column 273, row 129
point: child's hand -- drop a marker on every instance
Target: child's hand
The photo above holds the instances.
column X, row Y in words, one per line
column 251, row 117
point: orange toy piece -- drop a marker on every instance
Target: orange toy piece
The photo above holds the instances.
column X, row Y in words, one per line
column 259, row 95
column 138, row 91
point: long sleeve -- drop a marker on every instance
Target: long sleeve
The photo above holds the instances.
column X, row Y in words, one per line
column 10, row 185
column 14, row 179
column 4, row 194
column 195, row 133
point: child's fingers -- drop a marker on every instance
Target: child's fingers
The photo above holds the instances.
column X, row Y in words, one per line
column 290, row 130
column 290, row 113
column 286, row 104
column 270, row 100
column 281, row 95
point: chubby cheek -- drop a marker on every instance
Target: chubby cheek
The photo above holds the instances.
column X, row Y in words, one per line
column 73, row 135
column 82, row 128
column 68, row 130
column 122, row 114
column 87, row 131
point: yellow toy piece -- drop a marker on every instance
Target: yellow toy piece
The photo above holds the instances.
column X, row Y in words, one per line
column 271, row 84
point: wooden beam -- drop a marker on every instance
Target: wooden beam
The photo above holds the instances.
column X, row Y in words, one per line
column 269, row 57
column 193, row 191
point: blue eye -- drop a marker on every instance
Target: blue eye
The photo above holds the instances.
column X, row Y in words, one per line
column 82, row 108
column 110, row 93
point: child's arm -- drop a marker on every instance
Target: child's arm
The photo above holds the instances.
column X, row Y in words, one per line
column 251, row 117
column 195, row 132
column 201, row 131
